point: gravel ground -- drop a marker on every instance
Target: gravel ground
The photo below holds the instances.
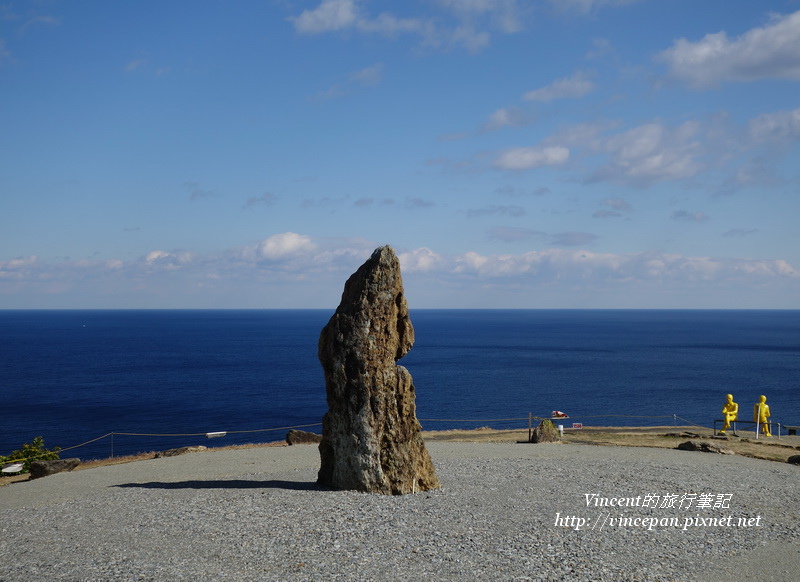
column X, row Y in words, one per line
column 504, row 512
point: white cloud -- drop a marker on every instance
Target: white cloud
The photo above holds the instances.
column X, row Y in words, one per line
column 506, row 117
column 154, row 256
column 464, row 35
column 583, row 134
column 389, row 25
column 285, row 245
column 336, row 15
column 17, row 268
column 34, row 21
column 160, row 259
column 657, row 152
column 542, row 265
column 506, row 15
column 779, row 268
column 465, row 23
column 562, row 265
column 575, row 86
column 758, row 172
column 768, row 52
column 308, row 272
column 371, row 75
column 778, row 126
column 367, row 77
column 420, row 260
column 531, row 157
column 329, row 15
column 461, row 23
column 601, row 48
column 651, row 153
column 471, row 261
column 587, row 6
column 133, row 65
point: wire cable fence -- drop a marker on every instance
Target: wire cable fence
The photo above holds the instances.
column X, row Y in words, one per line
column 499, row 423
column 511, row 423
column 207, row 435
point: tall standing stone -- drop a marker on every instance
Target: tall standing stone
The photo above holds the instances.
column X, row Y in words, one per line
column 371, row 438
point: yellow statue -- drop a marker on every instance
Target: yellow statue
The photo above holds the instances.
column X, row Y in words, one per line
column 761, row 415
column 729, row 413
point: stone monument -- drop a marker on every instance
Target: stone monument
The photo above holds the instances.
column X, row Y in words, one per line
column 371, row 438
column 546, row 432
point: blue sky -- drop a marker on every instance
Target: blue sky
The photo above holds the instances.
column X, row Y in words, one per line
column 540, row 154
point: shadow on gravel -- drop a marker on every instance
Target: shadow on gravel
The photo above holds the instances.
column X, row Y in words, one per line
column 230, row 484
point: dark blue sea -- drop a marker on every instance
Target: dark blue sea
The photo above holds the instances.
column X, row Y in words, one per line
column 74, row 376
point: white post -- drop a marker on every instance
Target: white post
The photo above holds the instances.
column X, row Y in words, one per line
column 561, row 430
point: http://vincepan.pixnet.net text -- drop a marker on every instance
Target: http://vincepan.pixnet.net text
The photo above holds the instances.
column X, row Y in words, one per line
column 650, row 511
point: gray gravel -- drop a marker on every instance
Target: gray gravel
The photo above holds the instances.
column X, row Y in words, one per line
column 256, row 514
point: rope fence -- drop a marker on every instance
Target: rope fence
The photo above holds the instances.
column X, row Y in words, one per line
column 111, row 435
column 215, row 434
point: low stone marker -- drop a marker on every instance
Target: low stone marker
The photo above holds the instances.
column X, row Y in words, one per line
column 546, row 432
column 704, row 447
column 371, row 438
column 44, row 468
column 180, row 451
column 302, row 437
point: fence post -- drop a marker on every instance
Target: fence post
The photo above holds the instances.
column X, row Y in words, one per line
column 530, row 425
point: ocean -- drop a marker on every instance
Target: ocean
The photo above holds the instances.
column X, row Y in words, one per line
column 164, row 379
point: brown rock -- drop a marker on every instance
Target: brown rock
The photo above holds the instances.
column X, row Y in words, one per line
column 301, row 437
column 180, row 451
column 45, row 468
column 371, row 438
column 546, row 432
column 705, row 447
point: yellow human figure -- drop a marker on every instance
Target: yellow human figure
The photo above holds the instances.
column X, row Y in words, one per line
column 730, row 410
column 761, row 415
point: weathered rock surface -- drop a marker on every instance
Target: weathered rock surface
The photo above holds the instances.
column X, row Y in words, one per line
column 371, row 438
column 45, row 468
column 705, row 447
column 302, row 437
column 546, row 432
column 180, row 451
